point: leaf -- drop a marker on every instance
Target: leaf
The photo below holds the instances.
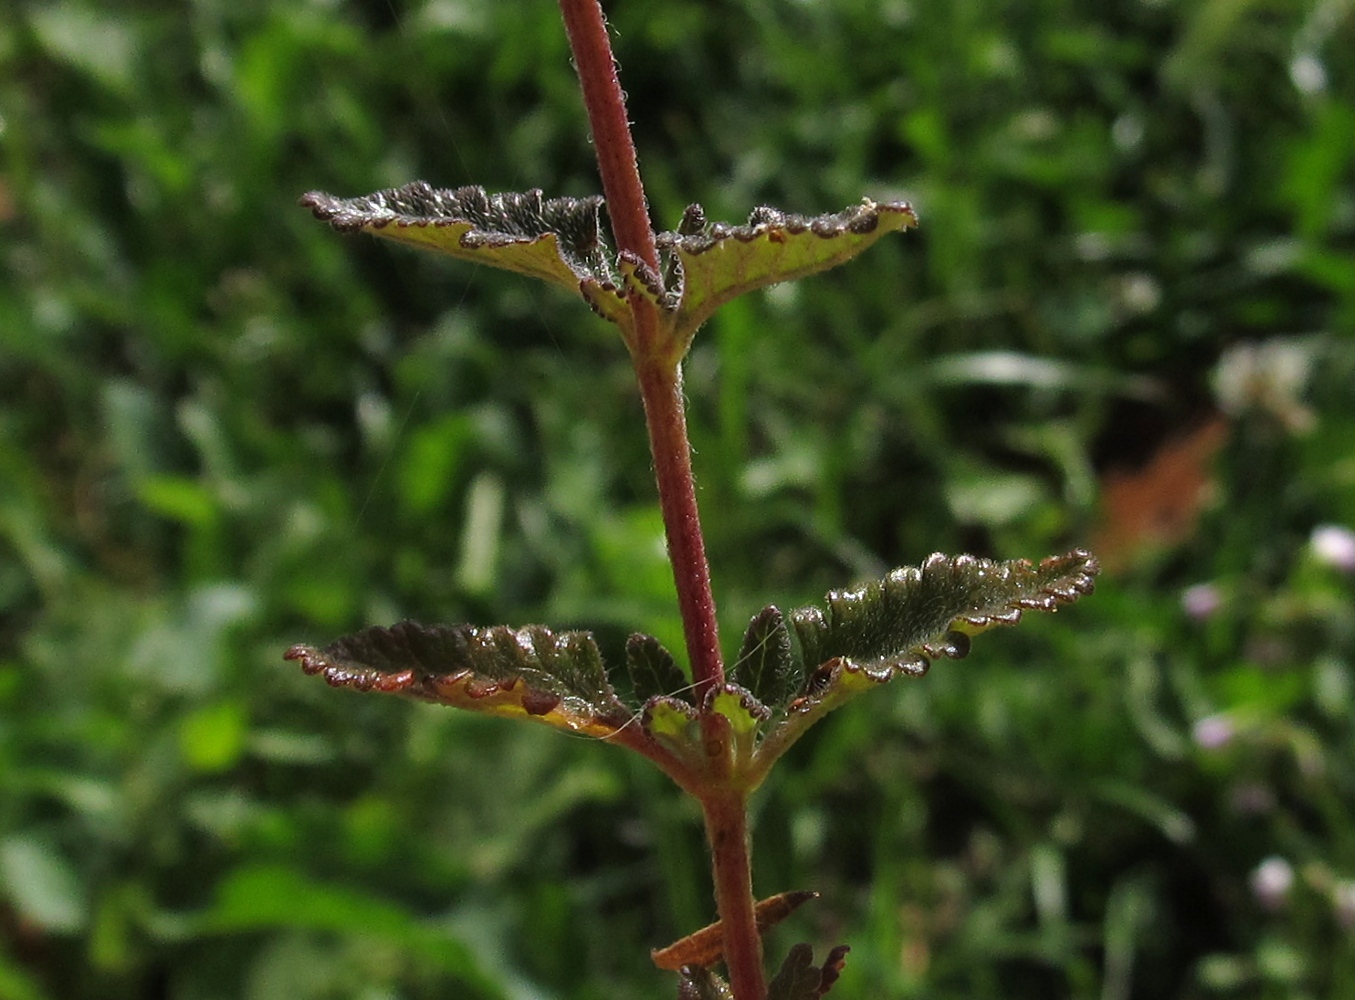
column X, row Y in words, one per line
column 531, row 672
column 557, row 240
column 707, row 946
column 17, row 983
column 743, row 716
column 914, row 615
column 560, row 240
column 766, row 664
column 744, row 712
column 675, row 725
column 713, row 263
column 799, row 979
column 652, row 669
column 898, row 625
column 832, row 967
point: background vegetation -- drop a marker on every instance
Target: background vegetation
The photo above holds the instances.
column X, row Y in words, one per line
column 224, row 429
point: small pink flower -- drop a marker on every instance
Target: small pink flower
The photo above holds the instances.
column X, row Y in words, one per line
column 1201, row 602
column 1213, row 732
column 1334, row 545
column 1271, row 882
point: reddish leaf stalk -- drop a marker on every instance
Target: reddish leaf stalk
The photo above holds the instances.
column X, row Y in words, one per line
column 727, row 830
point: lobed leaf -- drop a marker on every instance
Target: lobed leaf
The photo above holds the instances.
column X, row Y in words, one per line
column 531, row 672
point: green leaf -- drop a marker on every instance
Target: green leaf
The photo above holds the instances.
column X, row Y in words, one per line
column 898, row 625
column 531, row 672
column 16, row 983
column 799, row 979
column 744, row 717
column 557, row 240
column 713, row 263
column 766, row 664
column 212, row 738
column 652, row 669
column 674, row 725
column 560, row 240
column 744, row 712
column 862, row 638
column 914, row 615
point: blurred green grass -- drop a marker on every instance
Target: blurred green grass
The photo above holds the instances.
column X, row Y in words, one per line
column 223, row 430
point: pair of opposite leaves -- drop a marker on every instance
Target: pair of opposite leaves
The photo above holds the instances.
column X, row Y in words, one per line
column 792, row 669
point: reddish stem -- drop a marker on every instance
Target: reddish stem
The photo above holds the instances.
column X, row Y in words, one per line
column 658, row 372
column 727, row 830
column 606, row 104
column 661, row 390
column 660, row 377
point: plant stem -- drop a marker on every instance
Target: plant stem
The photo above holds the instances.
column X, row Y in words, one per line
column 612, row 142
column 727, row 830
column 658, row 372
column 660, row 376
column 661, row 390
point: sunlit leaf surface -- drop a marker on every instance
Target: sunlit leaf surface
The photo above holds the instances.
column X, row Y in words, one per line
column 899, row 625
column 555, row 239
column 717, row 262
column 860, row 638
column 560, row 240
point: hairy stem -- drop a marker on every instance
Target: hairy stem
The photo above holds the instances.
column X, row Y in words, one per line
column 660, row 375
column 661, row 389
column 606, row 104
column 658, row 371
column 727, row 830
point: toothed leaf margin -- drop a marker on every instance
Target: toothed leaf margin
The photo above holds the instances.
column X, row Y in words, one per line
column 557, row 678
